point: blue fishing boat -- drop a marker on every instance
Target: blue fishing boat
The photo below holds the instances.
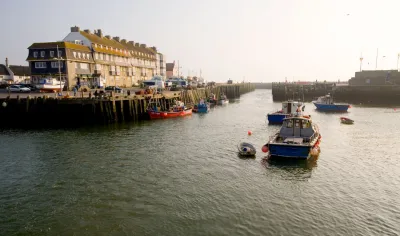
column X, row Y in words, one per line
column 289, row 108
column 202, row 107
column 298, row 138
column 326, row 103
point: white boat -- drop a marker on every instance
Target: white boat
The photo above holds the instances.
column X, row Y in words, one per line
column 223, row 100
column 50, row 85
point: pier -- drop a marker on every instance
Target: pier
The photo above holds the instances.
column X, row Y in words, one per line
column 51, row 111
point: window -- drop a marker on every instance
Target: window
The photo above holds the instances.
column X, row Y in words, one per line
column 96, row 56
column 101, row 46
column 84, row 66
column 40, row 64
column 107, row 57
column 76, row 65
column 59, row 53
column 51, row 53
column 42, row 53
column 88, row 56
column 98, row 66
column 95, row 45
column 74, row 54
column 54, row 64
column 35, row 54
column 79, row 55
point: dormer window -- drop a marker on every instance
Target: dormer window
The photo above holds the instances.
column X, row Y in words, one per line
column 35, row 54
column 42, row 53
column 101, row 46
column 95, row 45
column 51, row 53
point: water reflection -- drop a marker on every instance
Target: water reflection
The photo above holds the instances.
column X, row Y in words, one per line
column 291, row 168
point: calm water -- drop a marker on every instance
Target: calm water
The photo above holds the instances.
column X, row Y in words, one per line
column 183, row 177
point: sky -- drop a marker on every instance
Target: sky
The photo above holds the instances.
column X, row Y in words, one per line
column 251, row 40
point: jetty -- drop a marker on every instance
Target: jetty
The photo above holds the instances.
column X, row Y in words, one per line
column 52, row 111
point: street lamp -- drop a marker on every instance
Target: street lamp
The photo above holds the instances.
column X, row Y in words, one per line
column 58, row 59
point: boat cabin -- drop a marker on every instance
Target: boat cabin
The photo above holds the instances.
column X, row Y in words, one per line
column 327, row 99
column 290, row 107
column 297, row 130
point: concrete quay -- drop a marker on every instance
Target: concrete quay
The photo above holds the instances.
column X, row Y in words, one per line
column 49, row 110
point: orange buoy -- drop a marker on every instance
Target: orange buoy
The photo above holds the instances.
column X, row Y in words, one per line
column 249, row 132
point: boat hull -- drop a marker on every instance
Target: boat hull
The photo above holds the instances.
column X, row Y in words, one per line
column 331, row 107
column 289, row 151
column 49, row 88
column 223, row 102
column 201, row 110
column 166, row 115
column 276, row 118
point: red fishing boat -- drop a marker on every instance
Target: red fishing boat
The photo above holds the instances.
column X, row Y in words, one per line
column 177, row 110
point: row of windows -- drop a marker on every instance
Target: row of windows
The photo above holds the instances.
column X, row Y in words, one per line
column 54, row 64
column 81, row 55
column 124, row 51
column 43, row 54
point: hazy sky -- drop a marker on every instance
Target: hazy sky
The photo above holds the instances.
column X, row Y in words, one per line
column 261, row 40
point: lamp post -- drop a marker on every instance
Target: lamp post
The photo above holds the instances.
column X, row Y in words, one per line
column 361, row 59
column 58, row 59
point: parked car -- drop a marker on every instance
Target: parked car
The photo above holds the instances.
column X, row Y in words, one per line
column 18, row 88
column 114, row 88
column 30, row 86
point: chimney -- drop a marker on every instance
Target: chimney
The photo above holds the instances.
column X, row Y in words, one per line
column 143, row 45
column 99, row 33
column 154, row 49
column 6, row 61
column 108, row 36
column 123, row 41
column 116, row 39
column 131, row 43
column 87, row 31
column 75, row 29
column 137, row 44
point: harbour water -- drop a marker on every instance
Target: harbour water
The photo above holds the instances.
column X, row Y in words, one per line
column 183, row 177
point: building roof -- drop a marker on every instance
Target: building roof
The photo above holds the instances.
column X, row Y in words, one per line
column 3, row 70
column 169, row 66
column 20, row 70
column 47, row 45
column 94, row 38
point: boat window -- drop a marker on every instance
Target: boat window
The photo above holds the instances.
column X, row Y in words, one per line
column 289, row 124
column 297, row 123
column 306, row 124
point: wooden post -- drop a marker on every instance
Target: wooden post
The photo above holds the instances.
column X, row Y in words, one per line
column 122, row 109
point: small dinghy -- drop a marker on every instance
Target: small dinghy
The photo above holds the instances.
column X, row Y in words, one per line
column 246, row 149
column 346, row 121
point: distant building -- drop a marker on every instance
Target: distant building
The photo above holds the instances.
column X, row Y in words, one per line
column 10, row 74
column 172, row 70
column 161, row 65
column 375, row 78
column 94, row 60
column 117, row 61
column 75, row 66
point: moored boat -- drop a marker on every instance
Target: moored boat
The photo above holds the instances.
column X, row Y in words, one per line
column 289, row 108
column 298, row 138
column 177, row 110
column 346, row 121
column 223, row 100
column 326, row 103
column 50, row 85
column 212, row 99
column 202, row 107
column 246, row 149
